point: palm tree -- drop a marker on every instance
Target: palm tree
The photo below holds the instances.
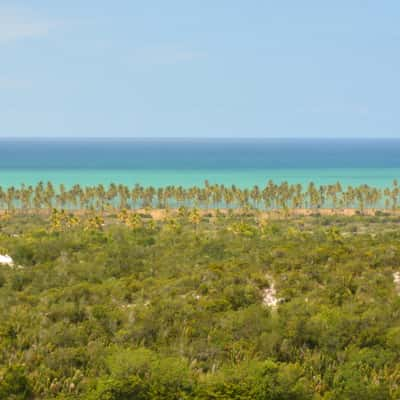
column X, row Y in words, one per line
column 49, row 195
column 194, row 217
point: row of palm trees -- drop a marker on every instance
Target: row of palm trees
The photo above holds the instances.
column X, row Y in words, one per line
column 272, row 196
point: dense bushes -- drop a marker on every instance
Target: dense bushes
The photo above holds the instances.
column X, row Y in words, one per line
column 175, row 309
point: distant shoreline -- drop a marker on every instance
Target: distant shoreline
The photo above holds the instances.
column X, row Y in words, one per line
column 159, row 214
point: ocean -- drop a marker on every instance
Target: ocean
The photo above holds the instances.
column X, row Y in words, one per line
column 187, row 162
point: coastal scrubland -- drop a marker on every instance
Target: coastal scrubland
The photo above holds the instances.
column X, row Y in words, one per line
column 199, row 305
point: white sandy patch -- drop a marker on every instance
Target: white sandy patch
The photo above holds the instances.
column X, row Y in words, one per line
column 6, row 260
column 396, row 280
column 269, row 296
column 128, row 305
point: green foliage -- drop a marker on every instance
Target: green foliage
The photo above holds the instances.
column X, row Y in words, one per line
column 14, row 384
column 120, row 389
column 147, row 309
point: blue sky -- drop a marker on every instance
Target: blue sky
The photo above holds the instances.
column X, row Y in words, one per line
column 200, row 68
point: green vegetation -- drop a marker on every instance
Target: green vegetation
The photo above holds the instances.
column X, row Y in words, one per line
column 115, row 307
column 272, row 196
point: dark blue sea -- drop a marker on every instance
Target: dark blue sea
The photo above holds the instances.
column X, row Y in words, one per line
column 186, row 162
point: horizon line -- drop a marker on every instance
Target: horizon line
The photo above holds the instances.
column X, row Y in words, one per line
column 152, row 138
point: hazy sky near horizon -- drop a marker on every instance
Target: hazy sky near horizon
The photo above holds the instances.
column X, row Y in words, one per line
column 199, row 68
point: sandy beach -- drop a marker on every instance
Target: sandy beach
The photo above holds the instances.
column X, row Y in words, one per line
column 161, row 213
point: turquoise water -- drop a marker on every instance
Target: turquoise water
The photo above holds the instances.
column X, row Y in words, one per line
column 240, row 162
column 378, row 177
